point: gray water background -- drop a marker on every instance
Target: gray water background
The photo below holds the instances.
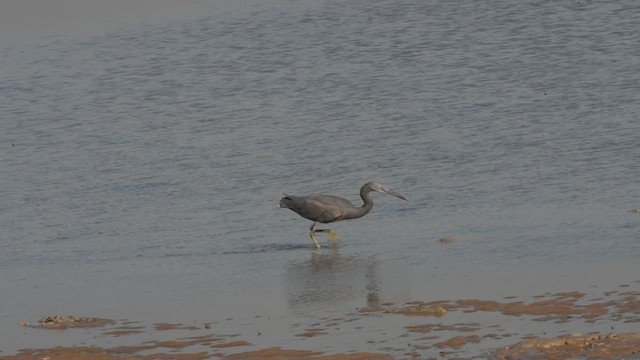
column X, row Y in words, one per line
column 140, row 169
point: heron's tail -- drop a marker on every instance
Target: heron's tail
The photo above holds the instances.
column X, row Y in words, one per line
column 285, row 201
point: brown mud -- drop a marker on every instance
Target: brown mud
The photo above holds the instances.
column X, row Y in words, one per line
column 597, row 346
column 66, row 321
column 428, row 335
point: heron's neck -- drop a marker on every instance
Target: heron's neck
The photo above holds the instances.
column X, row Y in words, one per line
column 363, row 210
column 357, row 212
column 368, row 203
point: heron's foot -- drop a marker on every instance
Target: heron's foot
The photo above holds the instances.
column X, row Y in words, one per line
column 333, row 235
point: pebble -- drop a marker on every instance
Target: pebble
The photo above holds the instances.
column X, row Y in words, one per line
column 447, row 240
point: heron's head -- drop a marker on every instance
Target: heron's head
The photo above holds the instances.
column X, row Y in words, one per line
column 374, row 186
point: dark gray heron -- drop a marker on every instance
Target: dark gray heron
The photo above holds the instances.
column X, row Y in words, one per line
column 328, row 208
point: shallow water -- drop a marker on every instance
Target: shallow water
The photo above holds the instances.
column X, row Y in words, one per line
column 142, row 167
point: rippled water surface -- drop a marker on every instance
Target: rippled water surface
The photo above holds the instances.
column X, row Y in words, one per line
column 141, row 168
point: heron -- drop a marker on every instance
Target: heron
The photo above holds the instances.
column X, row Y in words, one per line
column 328, row 208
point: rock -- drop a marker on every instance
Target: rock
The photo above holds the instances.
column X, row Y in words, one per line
column 447, row 240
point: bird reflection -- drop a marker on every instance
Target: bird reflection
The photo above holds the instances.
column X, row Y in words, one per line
column 330, row 278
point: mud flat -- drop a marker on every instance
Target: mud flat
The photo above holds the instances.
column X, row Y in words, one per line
column 66, row 321
column 596, row 326
column 595, row 346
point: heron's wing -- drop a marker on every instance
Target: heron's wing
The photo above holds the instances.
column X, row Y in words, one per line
column 325, row 212
column 324, row 209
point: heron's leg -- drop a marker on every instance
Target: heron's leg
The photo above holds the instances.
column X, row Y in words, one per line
column 312, row 234
column 315, row 241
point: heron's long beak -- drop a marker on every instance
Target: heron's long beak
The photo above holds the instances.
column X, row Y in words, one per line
column 391, row 192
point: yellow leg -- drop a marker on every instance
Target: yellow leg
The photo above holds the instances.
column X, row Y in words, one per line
column 333, row 235
column 312, row 234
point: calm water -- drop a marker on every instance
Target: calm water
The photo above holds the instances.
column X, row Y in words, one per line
column 141, row 168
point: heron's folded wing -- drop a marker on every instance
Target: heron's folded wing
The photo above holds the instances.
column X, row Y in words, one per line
column 317, row 210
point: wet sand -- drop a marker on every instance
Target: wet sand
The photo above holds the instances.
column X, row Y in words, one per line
column 429, row 336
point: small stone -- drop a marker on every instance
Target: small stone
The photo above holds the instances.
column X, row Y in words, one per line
column 447, row 240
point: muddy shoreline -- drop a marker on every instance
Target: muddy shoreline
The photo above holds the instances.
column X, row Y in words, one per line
column 429, row 335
